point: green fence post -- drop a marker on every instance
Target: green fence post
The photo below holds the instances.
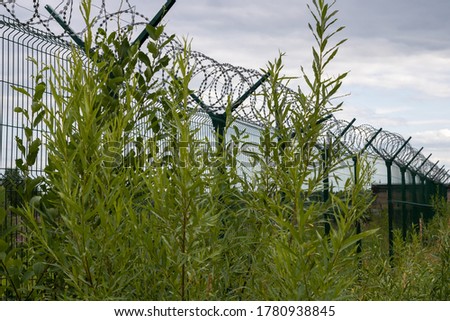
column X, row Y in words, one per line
column 422, row 187
column 219, row 120
column 429, row 191
column 336, row 139
column 403, row 191
column 414, row 195
column 355, row 171
column 390, row 207
column 390, row 200
column 415, row 211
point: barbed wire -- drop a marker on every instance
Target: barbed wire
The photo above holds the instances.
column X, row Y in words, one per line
column 216, row 84
column 33, row 13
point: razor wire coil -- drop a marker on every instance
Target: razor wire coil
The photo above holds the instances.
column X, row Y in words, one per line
column 216, row 84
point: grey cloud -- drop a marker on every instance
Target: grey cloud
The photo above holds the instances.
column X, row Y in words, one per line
column 394, row 45
column 416, row 23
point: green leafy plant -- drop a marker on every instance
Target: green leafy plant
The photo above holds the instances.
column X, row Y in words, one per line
column 129, row 214
column 417, row 271
column 88, row 209
column 296, row 259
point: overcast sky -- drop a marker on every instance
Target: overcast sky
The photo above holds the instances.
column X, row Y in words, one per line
column 398, row 53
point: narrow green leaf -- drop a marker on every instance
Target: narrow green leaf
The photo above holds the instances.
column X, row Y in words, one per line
column 352, row 240
column 38, row 118
column 21, row 110
column 27, row 275
column 153, row 32
column 20, row 145
column 28, row 132
column 39, row 91
column 153, row 49
column 36, row 106
column 144, row 58
column 21, row 90
column 316, row 57
column 20, row 165
column 148, row 73
column 33, row 152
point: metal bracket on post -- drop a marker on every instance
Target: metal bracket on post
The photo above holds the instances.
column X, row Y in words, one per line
column 441, row 176
column 400, row 149
column 438, row 173
column 66, row 27
column 369, row 142
column 342, row 133
column 432, row 167
column 154, row 22
column 423, row 163
column 251, row 90
column 199, row 102
column 140, row 39
column 413, row 158
column 219, row 120
column 350, row 124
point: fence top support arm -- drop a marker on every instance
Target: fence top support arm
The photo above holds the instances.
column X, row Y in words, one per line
column 251, row 90
column 423, row 163
column 414, row 157
column 346, row 128
column 140, row 39
column 438, row 173
column 432, row 167
column 154, row 22
column 444, row 177
column 400, row 149
column 369, row 143
column 65, row 26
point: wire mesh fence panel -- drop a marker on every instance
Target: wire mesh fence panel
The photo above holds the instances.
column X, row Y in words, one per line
column 408, row 186
column 20, row 48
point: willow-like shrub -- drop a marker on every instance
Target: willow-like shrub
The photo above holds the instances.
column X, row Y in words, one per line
column 127, row 216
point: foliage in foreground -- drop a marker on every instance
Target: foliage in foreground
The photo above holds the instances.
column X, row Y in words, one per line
column 420, row 268
column 121, row 215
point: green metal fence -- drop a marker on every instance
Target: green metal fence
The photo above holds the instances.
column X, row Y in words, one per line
column 408, row 192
